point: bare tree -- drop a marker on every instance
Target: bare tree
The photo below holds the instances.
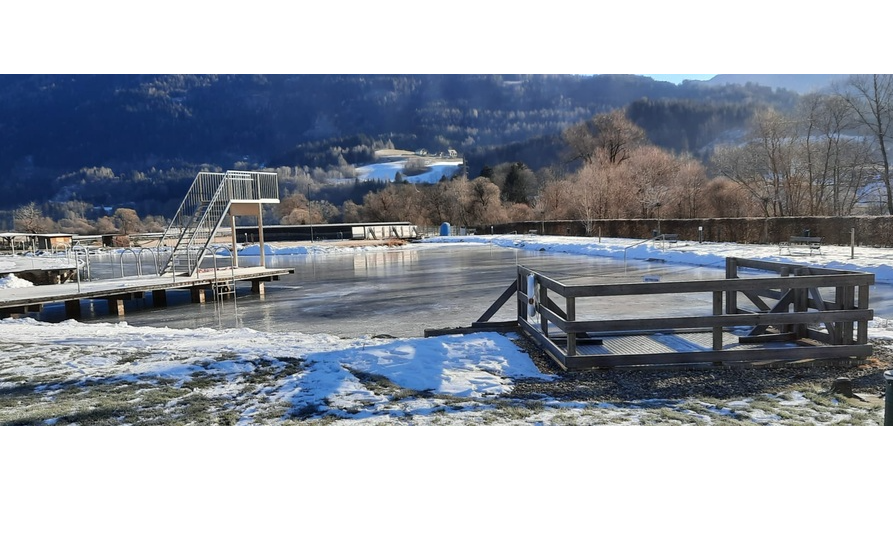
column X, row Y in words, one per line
column 554, row 200
column 296, row 209
column 75, row 226
column 686, row 198
column 871, row 96
column 767, row 165
column 441, row 203
column 837, row 161
column 591, row 195
column 30, row 219
column 724, row 197
column 127, row 220
column 105, row 225
column 326, row 210
column 154, row 223
column 413, row 203
column 384, row 205
column 518, row 212
column 776, row 136
column 481, row 199
column 611, row 133
column 350, row 211
column 652, row 172
column 581, row 142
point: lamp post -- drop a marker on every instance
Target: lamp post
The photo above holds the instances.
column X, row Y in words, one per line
column 656, row 206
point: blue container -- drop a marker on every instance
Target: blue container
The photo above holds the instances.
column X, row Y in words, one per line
column 445, row 229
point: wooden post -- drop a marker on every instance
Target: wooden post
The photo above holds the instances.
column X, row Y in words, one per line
column 159, row 298
column 731, row 296
column 257, row 287
column 116, row 306
column 197, row 294
column 801, row 304
column 571, row 317
column 73, row 309
column 717, row 311
column 862, row 325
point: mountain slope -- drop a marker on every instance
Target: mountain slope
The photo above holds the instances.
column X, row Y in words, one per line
column 139, row 139
column 800, row 83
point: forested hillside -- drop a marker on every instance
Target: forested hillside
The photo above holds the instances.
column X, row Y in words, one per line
column 138, row 140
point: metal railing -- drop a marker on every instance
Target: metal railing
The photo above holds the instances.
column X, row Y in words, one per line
column 203, row 210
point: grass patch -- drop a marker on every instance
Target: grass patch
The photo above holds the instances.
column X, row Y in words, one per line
column 133, row 357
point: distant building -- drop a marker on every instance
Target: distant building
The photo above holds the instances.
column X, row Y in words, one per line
column 35, row 241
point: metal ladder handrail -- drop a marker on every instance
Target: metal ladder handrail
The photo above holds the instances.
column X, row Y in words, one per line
column 207, row 202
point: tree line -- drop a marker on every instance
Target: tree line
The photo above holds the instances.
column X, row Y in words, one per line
column 824, row 155
column 56, row 125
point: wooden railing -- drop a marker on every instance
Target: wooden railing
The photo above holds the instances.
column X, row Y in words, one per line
column 773, row 312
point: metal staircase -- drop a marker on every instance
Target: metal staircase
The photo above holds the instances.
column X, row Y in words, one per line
column 206, row 205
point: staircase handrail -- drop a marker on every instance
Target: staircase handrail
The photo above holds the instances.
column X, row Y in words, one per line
column 212, row 193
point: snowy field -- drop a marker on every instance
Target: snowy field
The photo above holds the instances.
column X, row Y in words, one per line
column 98, row 373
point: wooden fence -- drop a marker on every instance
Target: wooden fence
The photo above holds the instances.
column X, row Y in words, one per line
column 866, row 230
column 761, row 311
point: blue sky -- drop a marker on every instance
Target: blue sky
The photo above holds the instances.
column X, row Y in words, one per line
column 679, row 78
column 672, row 78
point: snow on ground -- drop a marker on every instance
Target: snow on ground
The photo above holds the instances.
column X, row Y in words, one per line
column 388, row 171
column 11, row 282
column 333, row 376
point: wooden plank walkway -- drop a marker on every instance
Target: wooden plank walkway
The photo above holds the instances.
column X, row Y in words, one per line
column 792, row 313
column 25, row 300
column 693, row 347
column 43, row 270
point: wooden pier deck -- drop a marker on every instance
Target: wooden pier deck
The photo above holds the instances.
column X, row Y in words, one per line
column 116, row 291
column 761, row 311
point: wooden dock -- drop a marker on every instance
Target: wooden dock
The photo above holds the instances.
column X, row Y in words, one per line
column 760, row 312
column 40, row 270
column 25, row 300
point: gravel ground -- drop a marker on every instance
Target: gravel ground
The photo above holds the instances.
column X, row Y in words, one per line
column 630, row 384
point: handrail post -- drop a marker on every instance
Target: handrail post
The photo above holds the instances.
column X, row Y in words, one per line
column 571, row 303
column 888, row 398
